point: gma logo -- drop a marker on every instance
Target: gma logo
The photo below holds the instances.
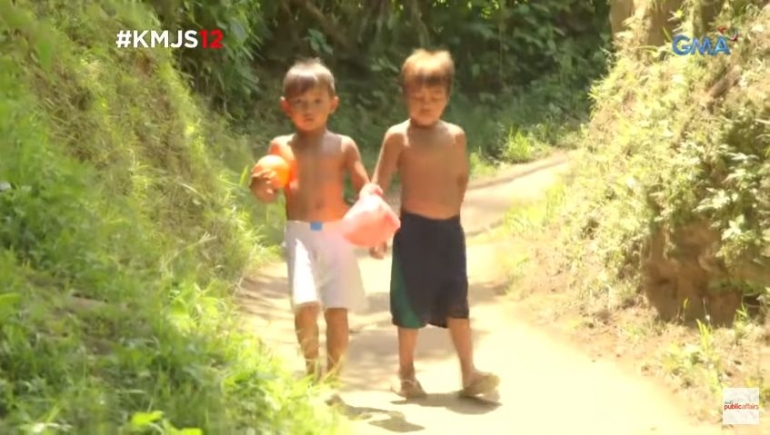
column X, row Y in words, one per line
column 683, row 45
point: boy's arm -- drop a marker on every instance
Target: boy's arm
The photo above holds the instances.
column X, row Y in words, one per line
column 260, row 182
column 387, row 162
column 358, row 175
column 463, row 165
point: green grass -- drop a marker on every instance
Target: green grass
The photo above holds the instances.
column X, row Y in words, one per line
column 121, row 241
column 531, row 216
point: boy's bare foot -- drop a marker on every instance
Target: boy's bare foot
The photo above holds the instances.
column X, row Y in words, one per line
column 480, row 383
column 409, row 388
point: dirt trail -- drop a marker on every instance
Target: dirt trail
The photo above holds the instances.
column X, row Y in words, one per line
column 547, row 387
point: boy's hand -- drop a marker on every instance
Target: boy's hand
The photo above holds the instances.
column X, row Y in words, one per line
column 370, row 189
column 379, row 252
column 265, row 178
column 263, row 185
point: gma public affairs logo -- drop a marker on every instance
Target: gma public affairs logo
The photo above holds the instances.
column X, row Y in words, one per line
column 683, row 45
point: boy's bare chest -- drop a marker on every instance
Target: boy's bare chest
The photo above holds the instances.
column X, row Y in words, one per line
column 314, row 159
column 429, row 149
column 318, row 166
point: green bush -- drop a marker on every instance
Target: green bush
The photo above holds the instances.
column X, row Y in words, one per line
column 522, row 66
column 675, row 170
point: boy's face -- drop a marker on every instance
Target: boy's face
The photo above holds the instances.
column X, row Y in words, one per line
column 426, row 104
column 310, row 111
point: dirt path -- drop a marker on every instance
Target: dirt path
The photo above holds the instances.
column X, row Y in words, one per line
column 547, row 387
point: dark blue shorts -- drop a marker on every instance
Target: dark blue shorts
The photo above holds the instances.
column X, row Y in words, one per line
column 429, row 278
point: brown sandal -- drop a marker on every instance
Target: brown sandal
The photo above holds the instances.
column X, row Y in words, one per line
column 482, row 383
column 409, row 389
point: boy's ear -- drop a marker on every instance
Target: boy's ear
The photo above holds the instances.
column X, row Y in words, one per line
column 335, row 103
column 285, row 106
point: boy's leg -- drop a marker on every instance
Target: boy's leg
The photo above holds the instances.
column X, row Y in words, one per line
column 474, row 382
column 407, row 344
column 454, row 312
column 306, row 327
column 337, row 340
column 342, row 290
column 413, row 288
column 304, row 295
column 460, row 332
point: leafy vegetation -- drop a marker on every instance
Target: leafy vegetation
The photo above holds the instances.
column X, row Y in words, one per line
column 668, row 206
column 682, row 146
column 523, row 67
column 125, row 225
column 122, row 238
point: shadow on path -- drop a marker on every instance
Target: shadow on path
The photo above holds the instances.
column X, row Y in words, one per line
column 396, row 421
column 453, row 402
column 392, row 421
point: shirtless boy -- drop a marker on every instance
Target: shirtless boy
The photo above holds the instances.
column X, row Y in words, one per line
column 322, row 267
column 429, row 282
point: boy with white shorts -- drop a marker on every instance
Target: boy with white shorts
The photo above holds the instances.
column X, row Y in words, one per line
column 322, row 266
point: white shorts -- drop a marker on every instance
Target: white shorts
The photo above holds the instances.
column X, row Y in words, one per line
column 322, row 265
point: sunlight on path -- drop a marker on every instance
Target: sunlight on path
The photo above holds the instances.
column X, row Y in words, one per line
column 547, row 387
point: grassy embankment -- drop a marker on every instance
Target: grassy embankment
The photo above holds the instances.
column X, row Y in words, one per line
column 121, row 241
column 662, row 230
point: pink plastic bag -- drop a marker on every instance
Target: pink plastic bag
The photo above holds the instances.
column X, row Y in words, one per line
column 371, row 221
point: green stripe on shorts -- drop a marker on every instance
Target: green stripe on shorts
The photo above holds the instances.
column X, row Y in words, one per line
column 403, row 314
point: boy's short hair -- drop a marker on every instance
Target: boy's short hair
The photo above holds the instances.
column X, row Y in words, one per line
column 428, row 68
column 305, row 75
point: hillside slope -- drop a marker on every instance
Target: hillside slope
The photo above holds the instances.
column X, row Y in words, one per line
column 661, row 238
column 682, row 144
column 120, row 235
